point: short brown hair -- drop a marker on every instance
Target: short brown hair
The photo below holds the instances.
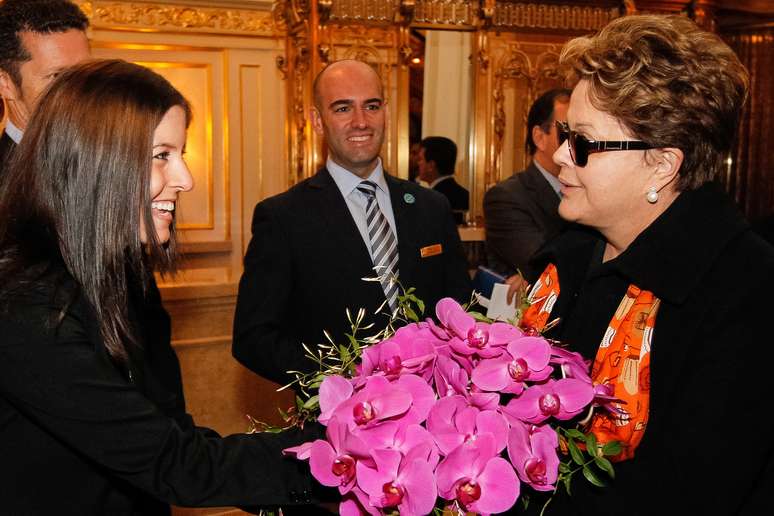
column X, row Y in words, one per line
column 38, row 16
column 670, row 83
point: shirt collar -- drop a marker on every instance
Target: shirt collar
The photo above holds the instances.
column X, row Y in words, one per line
column 13, row 132
column 552, row 180
column 439, row 179
column 347, row 181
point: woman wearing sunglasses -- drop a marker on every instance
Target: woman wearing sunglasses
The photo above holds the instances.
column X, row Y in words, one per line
column 661, row 282
column 85, row 426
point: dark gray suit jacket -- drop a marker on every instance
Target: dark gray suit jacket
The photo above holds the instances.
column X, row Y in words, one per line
column 520, row 214
column 306, row 260
column 6, row 146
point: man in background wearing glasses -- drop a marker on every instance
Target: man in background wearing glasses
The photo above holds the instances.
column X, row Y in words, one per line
column 520, row 213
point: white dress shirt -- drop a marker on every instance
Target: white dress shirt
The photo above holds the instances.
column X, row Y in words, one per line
column 357, row 201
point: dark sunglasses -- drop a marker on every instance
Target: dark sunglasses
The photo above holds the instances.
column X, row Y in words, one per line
column 581, row 147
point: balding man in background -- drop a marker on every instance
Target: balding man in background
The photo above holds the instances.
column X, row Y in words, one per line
column 313, row 244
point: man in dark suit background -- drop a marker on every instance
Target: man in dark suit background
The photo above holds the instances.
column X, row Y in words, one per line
column 312, row 245
column 521, row 212
column 436, row 161
column 38, row 39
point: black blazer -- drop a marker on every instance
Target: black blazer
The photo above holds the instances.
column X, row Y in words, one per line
column 6, row 146
column 306, row 260
column 80, row 436
column 520, row 215
column 458, row 196
column 710, row 369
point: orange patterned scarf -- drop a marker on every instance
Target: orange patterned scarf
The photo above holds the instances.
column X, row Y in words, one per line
column 622, row 361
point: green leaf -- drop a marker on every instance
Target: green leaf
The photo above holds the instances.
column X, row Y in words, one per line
column 411, row 314
column 480, row 317
column 575, row 452
column 591, row 444
column 312, row 402
column 421, row 305
column 567, row 484
column 564, row 467
column 605, row 465
column 592, row 477
column 575, row 434
column 612, row 448
column 344, row 352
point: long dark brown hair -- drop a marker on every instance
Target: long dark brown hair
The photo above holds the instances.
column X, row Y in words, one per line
column 78, row 184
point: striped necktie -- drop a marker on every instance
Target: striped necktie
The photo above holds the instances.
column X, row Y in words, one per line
column 384, row 245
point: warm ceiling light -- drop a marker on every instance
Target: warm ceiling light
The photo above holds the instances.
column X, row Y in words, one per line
column 416, row 60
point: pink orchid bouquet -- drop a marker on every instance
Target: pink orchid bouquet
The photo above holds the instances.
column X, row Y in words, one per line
column 457, row 415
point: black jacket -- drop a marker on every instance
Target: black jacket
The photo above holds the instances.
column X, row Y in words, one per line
column 81, row 436
column 459, row 198
column 6, row 146
column 709, row 445
column 306, row 260
column 520, row 214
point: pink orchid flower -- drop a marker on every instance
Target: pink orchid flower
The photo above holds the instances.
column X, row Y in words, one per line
column 573, row 364
column 333, row 462
column 479, row 479
column 452, row 422
column 355, row 503
column 334, row 390
column 526, row 359
column 533, row 453
column 397, row 481
column 410, row 351
column 380, row 400
column 397, row 435
column 562, row 399
column 604, row 398
column 470, row 337
column 301, row 452
column 451, row 379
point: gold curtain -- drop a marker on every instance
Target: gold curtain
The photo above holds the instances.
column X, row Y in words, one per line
column 749, row 178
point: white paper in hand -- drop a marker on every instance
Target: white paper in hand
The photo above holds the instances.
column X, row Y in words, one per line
column 499, row 308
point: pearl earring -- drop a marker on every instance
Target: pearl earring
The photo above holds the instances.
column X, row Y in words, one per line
column 652, row 195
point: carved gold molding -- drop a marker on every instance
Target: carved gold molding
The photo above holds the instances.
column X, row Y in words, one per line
column 500, row 15
column 163, row 17
column 515, row 65
column 446, row 12
column 373, row 11
column 518, row 15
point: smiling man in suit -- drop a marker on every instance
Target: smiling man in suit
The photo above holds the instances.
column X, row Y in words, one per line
column 313, row 244
column 521, row 212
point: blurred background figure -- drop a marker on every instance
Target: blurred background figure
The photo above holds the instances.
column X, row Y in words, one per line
column 40, row 39
column 521, row 212
column 436, row 161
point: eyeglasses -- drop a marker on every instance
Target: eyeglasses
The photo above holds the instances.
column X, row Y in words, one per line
column 581, row 147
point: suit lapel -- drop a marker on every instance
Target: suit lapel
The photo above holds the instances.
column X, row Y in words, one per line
column 407, row 221
column 548, row 201
column 330, row 206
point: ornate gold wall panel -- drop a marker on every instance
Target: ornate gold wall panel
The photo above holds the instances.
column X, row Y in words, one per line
column 518, row 15
column 446, row 12
column 165, row 18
